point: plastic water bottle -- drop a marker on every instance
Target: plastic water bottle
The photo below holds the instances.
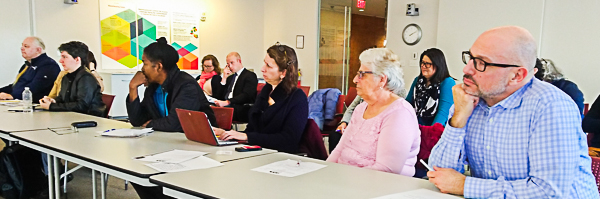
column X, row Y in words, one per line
column 27, row 98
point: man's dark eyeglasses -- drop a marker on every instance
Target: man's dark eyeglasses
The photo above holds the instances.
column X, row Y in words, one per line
column 479, row 64
column 360, row 74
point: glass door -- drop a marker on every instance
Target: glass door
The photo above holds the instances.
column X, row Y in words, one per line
column 334, row 44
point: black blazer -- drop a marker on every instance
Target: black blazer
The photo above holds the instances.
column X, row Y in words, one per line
column 183, row 92
column 80, row 92
column 244, row 92
column 279, row 126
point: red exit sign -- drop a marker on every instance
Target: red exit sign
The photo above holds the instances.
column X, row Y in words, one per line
column 361, row 3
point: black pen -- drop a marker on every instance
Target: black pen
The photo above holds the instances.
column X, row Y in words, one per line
column 143, row 156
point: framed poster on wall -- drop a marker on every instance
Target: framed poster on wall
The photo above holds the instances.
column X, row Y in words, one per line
column 128, row 26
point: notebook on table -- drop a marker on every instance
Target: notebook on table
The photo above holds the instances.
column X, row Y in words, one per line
column 196, row 127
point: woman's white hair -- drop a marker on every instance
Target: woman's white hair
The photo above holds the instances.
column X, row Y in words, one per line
column 383, row 61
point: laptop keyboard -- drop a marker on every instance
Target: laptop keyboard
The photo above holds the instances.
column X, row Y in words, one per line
column 226, row 142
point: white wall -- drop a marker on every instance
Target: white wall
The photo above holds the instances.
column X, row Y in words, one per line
column 233, row 25
column 571, row 38
column 13, row 32
column 284, row 19
column 460, row 23
column 397, row 20
column 57, row 23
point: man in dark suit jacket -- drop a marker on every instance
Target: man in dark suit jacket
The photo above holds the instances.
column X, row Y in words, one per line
column 238, row 89
column 38, row 73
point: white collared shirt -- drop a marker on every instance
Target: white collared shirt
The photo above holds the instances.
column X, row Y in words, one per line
column 239, row 72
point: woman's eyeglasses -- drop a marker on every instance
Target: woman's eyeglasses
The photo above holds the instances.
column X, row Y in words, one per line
column 207, row 66
column 360, row 74
column 426, row 65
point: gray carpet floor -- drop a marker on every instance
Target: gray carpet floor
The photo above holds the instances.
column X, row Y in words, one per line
column 81, row 186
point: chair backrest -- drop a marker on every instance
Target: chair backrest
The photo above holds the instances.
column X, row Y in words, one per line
column 259, row 87
column 339, row 107
column 430, row 135
column 311, row 142
column 306, row 89
column 224, row 117
column 586, row 108
column 107, row 100
column 596, row 170
column 350, row 96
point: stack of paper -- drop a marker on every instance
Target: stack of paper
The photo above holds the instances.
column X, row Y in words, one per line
column 179, row 160
column 210, row 98
column 11, row 103
column 126, row 132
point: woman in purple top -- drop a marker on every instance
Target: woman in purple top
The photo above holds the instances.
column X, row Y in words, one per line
column 383, row 133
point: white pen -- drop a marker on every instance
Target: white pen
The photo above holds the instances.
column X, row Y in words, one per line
column 426, row 166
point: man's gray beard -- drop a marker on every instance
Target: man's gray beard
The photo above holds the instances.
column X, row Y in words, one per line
column 497, row 89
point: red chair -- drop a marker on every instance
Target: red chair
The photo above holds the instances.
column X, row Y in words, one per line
column 586, row 108
column 311, row 142
column 339, row 113
column 306, row 89
column 596, row 170
column 224, row 117
column 259, row 87
column 430, row 135
column 107, row 100
column 350, row 96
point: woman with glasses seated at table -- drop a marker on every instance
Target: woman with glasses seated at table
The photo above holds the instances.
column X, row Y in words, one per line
column 383, row 133
column 211, row 72
column 278, row 117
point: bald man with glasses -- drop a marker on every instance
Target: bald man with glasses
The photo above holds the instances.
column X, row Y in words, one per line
column 521, row 137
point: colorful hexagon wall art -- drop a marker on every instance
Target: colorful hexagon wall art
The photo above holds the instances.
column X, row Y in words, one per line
column 120, row 41
column 187, row 60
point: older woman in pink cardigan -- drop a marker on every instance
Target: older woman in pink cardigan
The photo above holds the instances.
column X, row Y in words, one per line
column 383, row 133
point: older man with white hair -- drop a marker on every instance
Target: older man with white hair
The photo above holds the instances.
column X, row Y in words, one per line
column 38, row 73
column 521, row 137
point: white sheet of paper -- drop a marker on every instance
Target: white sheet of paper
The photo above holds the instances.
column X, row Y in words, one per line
column 126, row 132
column 196, row 163
column 210, row 98
column 173, row 156
column 418, row 194
column 11, row 102
column 289, row 168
